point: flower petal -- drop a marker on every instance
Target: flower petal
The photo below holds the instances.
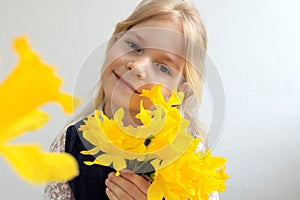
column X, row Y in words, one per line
column 31, row 84
column 92, row 151
column 31, row 121
column 104, row 159
column 144, row 115
column 176, row 98
column 36, row 166
column 119, row 164
column 155, row 192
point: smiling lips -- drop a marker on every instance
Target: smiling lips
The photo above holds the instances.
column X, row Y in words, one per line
column 119, row 78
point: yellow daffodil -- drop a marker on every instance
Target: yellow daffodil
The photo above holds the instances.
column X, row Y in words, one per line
column 172, row 139
column 117, row 146
column 32, row 84
column 193, row 176
column 161, row 142
column 163, row 135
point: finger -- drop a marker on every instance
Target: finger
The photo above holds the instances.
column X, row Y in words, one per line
column 138, row 180
column 116, row 192
column 110, row 194
column 127, row 186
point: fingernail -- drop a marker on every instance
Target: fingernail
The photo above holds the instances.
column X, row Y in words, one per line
column 111, row 175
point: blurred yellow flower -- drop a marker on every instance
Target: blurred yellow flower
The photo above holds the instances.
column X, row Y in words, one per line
column 31, row 84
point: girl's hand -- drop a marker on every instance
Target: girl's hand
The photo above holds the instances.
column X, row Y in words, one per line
column 127, row 186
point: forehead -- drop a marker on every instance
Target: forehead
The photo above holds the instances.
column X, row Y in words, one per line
column 164, row 35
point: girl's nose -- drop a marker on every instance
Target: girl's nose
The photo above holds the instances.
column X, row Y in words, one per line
column 139, row 67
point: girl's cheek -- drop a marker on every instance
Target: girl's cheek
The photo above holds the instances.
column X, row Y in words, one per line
column 114, row 58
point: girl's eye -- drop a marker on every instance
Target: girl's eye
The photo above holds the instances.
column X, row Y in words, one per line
column 163, row 68
column 134, row 46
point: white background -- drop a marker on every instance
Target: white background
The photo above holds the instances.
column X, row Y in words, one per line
column 254, row 46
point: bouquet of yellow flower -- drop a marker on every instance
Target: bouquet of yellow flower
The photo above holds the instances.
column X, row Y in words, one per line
column 161, row 148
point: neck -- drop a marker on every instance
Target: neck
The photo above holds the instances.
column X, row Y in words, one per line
column 129, row 115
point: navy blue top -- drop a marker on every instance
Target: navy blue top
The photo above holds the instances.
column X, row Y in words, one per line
column 89, row 185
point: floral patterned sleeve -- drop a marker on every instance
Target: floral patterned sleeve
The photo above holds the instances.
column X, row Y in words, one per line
column 58, row 190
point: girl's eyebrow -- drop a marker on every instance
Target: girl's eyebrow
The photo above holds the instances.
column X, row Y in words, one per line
column 171, row 59
column 140, row 38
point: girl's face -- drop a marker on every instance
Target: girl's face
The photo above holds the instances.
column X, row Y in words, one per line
column 149, row 53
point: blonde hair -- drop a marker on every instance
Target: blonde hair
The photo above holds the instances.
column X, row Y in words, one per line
column 186, row 14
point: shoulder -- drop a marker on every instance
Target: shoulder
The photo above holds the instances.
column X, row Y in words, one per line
column 74, row 141
column 68, row 134
column 59, row 190
column 58, row 144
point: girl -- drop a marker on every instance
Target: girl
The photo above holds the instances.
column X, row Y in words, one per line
column 160, row 42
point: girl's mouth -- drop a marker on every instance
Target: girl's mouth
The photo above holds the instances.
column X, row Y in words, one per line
column 126, row 83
